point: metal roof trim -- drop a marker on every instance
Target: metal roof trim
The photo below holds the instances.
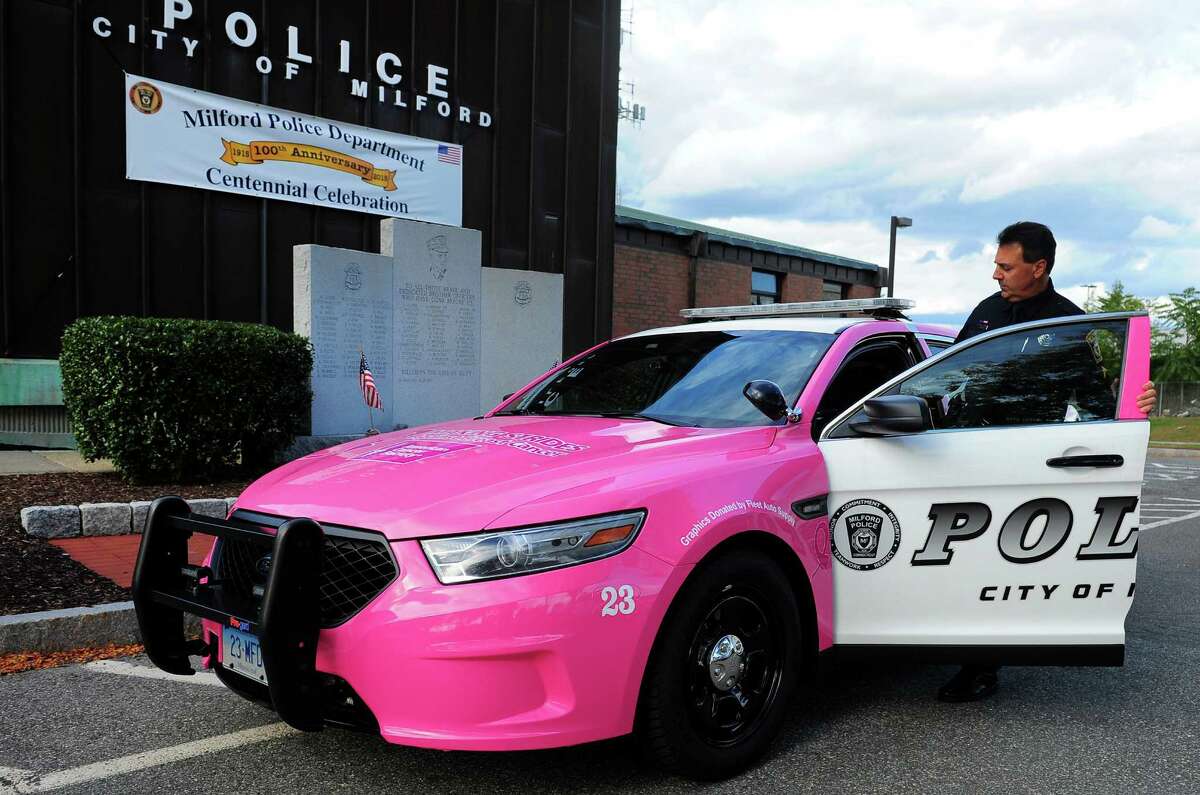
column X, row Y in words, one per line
column 630, row 216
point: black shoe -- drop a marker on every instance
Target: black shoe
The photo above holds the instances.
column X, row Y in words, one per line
column 969, row 684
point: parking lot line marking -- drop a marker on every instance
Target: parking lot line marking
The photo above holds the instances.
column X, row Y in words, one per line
column 13, row 775
column 128, row 669
column 1172, row 520
column 135, row 762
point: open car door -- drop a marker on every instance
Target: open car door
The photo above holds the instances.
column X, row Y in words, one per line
column 984, row 504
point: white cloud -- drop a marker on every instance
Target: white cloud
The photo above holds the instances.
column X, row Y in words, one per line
column 939, row 109
column 1156, row 229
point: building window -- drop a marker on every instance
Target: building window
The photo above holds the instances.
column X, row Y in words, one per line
column 764, row 287
column 834, row 291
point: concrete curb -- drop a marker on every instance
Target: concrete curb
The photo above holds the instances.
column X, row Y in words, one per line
column 72, row 628
column 75, row 628
column 105, row 518
column 1172, row 452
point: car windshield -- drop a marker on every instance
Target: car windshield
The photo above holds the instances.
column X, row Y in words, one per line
column 692, row 378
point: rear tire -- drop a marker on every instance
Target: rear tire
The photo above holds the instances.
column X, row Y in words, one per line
column 724, row 669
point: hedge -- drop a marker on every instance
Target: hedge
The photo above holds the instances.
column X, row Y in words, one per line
column 183, row 400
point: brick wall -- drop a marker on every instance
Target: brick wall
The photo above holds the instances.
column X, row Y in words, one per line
column 649, row 289
column 722, row 283
column 798, row 287
column 863, row 291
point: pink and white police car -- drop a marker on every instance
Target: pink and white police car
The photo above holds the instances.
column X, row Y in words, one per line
column 665, row 533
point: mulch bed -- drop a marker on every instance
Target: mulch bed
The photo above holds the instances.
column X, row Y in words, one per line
column 19, row 662
column 35, row 575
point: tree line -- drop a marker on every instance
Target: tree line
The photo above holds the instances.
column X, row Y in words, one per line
column 1175, row 336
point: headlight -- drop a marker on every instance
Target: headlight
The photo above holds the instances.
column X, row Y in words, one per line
column 486, row 556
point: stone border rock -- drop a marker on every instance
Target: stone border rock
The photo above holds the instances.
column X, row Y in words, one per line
column 76, row 628
column 72, row 628
column 105, row 518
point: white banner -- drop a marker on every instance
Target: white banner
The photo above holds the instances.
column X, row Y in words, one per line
column 182, row 136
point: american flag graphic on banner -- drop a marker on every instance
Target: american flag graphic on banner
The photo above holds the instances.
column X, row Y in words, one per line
column 366, row 382
column 449, row 154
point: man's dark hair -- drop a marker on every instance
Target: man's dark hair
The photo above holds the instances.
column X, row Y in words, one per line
column 1037, row 241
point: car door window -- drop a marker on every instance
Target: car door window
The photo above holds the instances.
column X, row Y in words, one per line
column 865, row 368
column 1048, row 374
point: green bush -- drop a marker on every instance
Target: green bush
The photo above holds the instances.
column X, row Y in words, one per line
column 182, row 400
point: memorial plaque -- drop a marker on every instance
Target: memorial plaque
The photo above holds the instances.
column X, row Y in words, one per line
column 522, row 330
column 436, row 296
column 342, row 301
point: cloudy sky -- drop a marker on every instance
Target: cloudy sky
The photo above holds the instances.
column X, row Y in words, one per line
column 813, row 122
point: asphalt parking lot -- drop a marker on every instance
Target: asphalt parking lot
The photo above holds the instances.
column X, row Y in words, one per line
column 121, row 726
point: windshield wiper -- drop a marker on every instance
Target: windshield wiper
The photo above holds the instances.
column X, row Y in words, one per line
column 633, row 415
column 616, row 415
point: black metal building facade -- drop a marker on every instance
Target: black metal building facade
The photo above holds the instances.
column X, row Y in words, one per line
column 77, row 238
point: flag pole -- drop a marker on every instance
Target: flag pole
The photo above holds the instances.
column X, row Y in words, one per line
column 371, row 429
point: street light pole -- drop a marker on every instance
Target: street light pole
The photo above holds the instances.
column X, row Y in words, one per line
column 897, row 222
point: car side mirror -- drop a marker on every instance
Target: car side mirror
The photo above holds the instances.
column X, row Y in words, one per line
column 894, row 415
column 768, row 398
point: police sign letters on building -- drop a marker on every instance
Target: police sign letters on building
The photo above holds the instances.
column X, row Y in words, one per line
column 182, row 136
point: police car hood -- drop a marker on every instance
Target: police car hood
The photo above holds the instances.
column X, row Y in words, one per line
column 462, row 476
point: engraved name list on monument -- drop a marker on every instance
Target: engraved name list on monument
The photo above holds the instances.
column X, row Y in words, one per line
column 437, row 326
column 438, row 332
column 343, row 304
column 345, row 324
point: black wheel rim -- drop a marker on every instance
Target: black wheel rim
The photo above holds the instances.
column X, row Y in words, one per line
column 726, row 717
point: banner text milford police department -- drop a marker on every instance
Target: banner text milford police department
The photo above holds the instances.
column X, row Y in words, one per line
column 242, row 31
column 208, row 117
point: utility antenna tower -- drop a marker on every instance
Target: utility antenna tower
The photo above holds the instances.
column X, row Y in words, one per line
column 627, row 109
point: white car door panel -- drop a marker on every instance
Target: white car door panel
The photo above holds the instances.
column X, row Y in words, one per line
column 981, row 532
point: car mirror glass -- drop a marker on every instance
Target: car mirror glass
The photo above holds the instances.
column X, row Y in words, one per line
column 894, row 415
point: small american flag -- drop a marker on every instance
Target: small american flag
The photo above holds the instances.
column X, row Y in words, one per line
column 366, row 382
column 449, row 154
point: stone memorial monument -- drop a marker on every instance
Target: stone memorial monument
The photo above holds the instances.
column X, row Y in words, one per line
column 436, row 300
column 522, row 330
column 341, row 300
column 444, row 337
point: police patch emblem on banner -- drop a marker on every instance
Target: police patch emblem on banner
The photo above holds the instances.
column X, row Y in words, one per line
column 864, row 534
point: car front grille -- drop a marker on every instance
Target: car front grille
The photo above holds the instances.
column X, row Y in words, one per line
column 358, row 565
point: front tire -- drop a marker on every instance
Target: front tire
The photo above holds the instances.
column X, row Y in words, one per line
column 724, row 668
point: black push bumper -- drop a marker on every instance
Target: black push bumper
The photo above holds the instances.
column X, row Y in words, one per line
column 286, row 617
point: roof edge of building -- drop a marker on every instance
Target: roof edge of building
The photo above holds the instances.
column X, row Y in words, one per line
column 644, row 219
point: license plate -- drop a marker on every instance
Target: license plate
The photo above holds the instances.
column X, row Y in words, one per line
column 242, row 652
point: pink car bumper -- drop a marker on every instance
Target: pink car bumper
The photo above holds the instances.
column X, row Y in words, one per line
column 528, row 662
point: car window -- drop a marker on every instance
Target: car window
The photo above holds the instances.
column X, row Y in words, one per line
column 865, row 369
column 1048, row 374
column 936, row 346
column 692, row 378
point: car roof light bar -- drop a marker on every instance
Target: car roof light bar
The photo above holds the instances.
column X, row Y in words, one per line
column 891, row 306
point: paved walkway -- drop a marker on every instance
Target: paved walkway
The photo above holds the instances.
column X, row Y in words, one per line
column 36, row 462
column 114, row 556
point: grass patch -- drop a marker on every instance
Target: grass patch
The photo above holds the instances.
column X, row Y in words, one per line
column 1184, row 430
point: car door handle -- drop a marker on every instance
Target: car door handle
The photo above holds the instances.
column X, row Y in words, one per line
column 1086, row 461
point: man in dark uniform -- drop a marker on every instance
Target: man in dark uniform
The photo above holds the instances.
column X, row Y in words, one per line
column 1024, row 259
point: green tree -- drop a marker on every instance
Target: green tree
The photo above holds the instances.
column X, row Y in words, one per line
column 1118, row 300
column 1176, row 342
column 1107, row 346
